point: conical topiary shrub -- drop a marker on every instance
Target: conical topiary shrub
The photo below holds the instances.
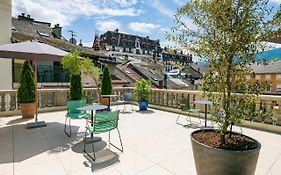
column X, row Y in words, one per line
column 72, row 63
column 75, row 87
column 106, row 83
column 26, row 90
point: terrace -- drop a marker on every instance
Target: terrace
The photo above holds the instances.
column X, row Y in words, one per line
column 153, row 142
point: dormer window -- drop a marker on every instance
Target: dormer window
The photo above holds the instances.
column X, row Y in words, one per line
column 45, row 34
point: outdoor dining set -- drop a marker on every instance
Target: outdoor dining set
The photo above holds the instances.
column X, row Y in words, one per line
column 99, row 119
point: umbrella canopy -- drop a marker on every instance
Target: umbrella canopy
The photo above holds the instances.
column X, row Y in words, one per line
column 31, row 50
column 34, row 51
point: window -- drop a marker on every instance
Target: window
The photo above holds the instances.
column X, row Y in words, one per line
column 268, row 88
column 258, row 77
column 267, row 77
column 278, row 88
column 278, row 76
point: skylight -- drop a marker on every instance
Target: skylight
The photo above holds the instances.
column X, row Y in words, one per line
column 41, row 33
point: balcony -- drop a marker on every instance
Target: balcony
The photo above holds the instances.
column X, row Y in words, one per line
column 153, row 142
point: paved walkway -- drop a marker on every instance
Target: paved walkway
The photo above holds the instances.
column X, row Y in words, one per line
column 153, row 145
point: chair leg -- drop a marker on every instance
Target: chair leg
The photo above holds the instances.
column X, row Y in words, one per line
column 178, row 120
column 84, row 148
column 119, row 140
column 188, row 119
column 68, row 134
column 132, row 107
column 124, row 107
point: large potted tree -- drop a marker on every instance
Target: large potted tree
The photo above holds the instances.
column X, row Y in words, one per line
column 228, row 34
column 26, row 91
column 142, row 93
column 106, row 85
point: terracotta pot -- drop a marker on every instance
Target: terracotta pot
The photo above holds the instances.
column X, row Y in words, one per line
column 104, row 101
column 213, row 161
column 27, row 109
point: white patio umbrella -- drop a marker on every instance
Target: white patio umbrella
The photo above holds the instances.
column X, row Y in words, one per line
column 34, row 51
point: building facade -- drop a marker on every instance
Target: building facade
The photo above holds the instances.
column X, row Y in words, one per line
column 5, row 38
column 268, row 73
column 127, row 43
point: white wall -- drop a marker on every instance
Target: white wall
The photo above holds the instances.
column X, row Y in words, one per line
column 5, row 38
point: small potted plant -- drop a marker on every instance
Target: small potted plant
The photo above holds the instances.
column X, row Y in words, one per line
column 142, row 93
column 228, row 35
column 26, row 91
column 106, row 85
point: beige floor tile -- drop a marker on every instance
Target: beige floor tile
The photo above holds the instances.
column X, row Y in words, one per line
column 180, row 164
column 48, row 168
column 131, row 163
column 155, row 170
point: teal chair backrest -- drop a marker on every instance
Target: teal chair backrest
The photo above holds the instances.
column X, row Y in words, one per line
column 184, row 104
column 105, row 121
column 72, row 110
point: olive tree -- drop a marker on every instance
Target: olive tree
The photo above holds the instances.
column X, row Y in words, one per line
column 227, row 34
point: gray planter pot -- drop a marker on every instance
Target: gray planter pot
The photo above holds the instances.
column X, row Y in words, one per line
column 212, row 161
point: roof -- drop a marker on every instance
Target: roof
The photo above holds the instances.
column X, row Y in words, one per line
column 269, row 55
column 32, row 27
column 267, row 67
column 61, row 44
column 27, row 29
column 195, row 73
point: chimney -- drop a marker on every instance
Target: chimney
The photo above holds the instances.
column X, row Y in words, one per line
column 116, row 30
column 80, row 44
column 26, row 18
column 160, row 84
column 57, row 31
column 147, row 37
column 165, row 81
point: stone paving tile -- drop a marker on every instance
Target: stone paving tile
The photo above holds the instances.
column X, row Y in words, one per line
column 155, row 170
column 153, row 144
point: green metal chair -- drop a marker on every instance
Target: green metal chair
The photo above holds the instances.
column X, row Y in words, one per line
column 103, row 122
column 73, row 113
column 185, row 107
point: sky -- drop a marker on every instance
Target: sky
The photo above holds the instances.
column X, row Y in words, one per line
column 89, row 17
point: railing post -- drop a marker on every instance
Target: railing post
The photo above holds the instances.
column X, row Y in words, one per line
column 3, row 102
column 13, row 101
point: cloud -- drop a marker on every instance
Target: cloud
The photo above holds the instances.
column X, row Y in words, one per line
column 111, row 25
column 276, row 1
column 168, row 44
column 143, row 27
column 65, row 12
column 126, row 3
column 180, row 2
column 157, row 5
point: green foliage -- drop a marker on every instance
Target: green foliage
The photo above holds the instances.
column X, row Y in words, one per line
column 228, row 34
column 26, row 90
column 106, row 83
column 185, row 104
column 72, row 62
column 76, row 90
column 77, row 65
column 143, row 90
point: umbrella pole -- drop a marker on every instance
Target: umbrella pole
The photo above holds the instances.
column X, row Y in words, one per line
column 35, row 124
column 35, row 82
